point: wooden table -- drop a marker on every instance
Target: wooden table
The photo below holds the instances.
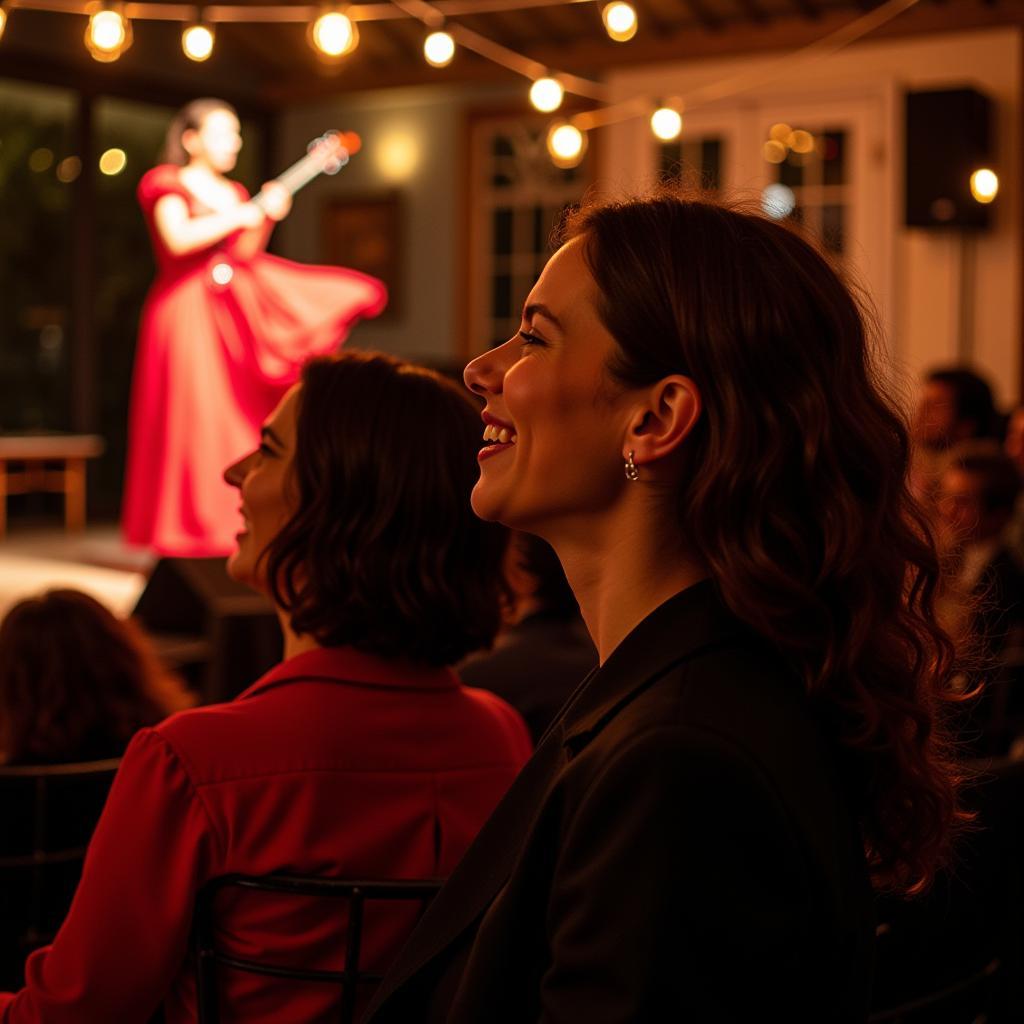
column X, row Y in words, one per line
column 38, row 456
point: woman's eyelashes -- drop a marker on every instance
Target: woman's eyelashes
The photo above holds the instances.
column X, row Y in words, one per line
column 529, row 338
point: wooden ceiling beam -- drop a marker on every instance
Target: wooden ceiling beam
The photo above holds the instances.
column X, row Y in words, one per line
column 781, row 34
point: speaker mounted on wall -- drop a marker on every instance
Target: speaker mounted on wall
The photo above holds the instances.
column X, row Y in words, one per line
column 948, row 139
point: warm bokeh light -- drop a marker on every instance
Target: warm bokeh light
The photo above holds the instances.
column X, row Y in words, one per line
column 773, row 151
column 197, row 42
column 566, row 144
column 113, row 161
column 778, row 201
column 438, row 49
column 546, row 94
column 40, row 159
column 3, row 19
column 334, row 34
column 666, row 123
column 984, row 185
column 108, row 35
column 68, row 169
column 397, row 155
column 780, row 132
column 800, row 141
column 619, row 21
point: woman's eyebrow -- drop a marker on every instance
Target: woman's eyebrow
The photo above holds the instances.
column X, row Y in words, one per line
column 268, row 432
column 539, row 309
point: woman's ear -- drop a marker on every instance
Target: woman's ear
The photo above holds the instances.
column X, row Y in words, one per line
column 189, row 141
column 663, row 419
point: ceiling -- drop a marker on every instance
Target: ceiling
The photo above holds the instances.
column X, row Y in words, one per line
column 270, row 65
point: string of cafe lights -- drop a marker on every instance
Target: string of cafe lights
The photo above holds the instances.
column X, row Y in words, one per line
column 333, row 33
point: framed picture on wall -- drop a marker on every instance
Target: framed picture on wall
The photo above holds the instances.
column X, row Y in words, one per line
column 365, row 233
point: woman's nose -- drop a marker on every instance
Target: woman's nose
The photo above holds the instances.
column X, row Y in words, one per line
column 235, row 473
column 484, row 375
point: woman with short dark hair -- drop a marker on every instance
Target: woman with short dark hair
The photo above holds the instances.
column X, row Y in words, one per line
column 691, row 415
column 359, row 756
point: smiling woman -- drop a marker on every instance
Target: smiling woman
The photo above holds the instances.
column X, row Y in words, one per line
column 360, row 756
column 703, row 439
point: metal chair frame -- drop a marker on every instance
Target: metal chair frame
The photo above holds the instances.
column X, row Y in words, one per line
column 40, row 859
column 356, row 893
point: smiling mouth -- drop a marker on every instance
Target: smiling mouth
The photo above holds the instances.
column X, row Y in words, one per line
column 496, row 439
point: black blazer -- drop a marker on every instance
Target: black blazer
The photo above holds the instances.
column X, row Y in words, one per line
column 680, row 847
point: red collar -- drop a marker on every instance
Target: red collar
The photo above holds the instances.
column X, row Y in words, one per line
column 358, row 668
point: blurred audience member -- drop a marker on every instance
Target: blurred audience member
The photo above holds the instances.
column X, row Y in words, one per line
column 545, row 651
column 955, row 404
column 1013, row 445
column 983, row 599
column 76, row 683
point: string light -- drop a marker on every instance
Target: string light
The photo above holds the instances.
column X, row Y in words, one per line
column 113, row 161
column 546, row 94
column 984, row 185
column 620, row 21
column 68, row 169
column 197, row 41
column 666, row 123
column 108, row 34
column 566, row 144
column 334, row 34
column 439, row 49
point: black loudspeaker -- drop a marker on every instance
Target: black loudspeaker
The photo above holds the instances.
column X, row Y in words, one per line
column 221, row 635
column 949, row 136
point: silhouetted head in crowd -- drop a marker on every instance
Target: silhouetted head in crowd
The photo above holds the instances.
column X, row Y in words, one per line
column 977, row 491
column 75, row 682
column 537, row 580
column 357, row 515
column 721, row 355
column 955, row 405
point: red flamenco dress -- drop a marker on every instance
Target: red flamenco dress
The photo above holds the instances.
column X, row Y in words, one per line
column 222, row 337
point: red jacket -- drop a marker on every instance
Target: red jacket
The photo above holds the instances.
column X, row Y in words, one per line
column 334, row 763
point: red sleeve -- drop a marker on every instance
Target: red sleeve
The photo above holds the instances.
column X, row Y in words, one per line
column 159, row 182
column 125, row 937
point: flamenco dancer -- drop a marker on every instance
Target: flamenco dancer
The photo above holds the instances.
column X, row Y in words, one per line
column 225, row 330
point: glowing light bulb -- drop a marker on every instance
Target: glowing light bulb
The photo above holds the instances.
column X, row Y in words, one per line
column 619, row 21
column 984, row 185
column 3, row 19
column 68, row 169
column 774, row 151
column 108, row 34
column 334, row 34
column 800, row 141
column 439, row 49
column 780, row 132
column 113, row 161
column 666, row 123
column 197, row 42
column 778, row 201
column 566, row 144
column 546, row 94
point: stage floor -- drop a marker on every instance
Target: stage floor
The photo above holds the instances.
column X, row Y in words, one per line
column 96, row 561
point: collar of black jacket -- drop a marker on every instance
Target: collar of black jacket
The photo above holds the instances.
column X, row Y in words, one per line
column 690, row 621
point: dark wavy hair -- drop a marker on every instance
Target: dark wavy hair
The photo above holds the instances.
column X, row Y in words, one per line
column 76, row 682
column 385, row 553
column 189, row 118
column 795, row 490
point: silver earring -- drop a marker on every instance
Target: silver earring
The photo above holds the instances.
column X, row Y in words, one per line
column 632, row 473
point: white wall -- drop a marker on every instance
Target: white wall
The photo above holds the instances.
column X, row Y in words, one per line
column 411, row 141
column 913, row 274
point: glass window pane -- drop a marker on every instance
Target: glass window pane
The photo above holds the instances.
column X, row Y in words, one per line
column 501, row 296
column 502, row 238
column 791, row 171
column 38, row 166
column 834, row 157
column 833, row 218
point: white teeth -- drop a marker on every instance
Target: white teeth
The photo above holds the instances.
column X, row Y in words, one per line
column 502, row 435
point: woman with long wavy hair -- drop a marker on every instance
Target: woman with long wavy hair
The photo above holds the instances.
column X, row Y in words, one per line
column 692, row 416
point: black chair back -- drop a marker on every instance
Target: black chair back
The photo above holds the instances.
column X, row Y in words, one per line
column 355, row 894
column 49, row 814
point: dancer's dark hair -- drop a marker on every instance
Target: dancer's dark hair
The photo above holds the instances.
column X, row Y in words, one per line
column 794, row 488
column 189, row 118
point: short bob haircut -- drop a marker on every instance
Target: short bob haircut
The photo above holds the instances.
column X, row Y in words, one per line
column 385, row 553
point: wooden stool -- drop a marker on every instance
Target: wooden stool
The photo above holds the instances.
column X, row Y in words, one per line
column 34, row 451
